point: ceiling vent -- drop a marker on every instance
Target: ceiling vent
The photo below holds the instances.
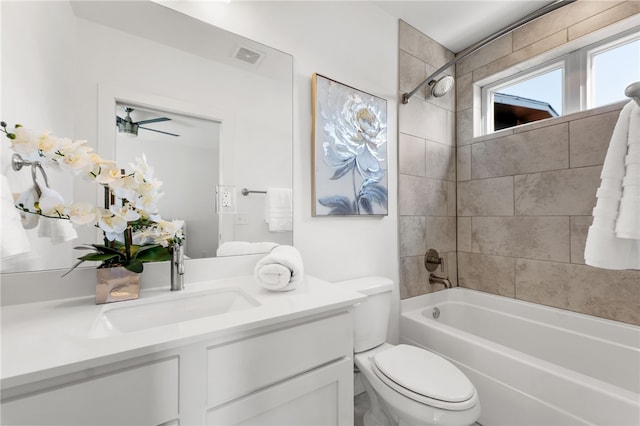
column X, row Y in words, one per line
column 247, row 55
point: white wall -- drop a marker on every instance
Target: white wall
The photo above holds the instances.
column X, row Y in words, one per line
column 355, row 43
column 37, row 94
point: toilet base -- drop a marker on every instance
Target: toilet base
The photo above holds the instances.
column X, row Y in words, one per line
column 394, row 409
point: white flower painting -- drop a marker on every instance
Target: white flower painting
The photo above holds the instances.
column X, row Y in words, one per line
column 350, row 150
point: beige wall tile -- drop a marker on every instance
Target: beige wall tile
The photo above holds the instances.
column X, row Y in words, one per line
column 411, row 73
column 464, row 127
column 486, row 197
column 422, row 47
column 414, row 279
column 557, row 20
column 451, row 188
column 579, row 228
column 570, row 192
column 464, row 92
column 451, row 266
column 424, row 120
column 496, row 49
column 440, row 161
column 463, row 158
column 589, row 139
column 422, row 196
column 441, row 233
column 604, row 18
column 608, row 294
column 528, row 152
column 518, row 56
column 464, row 234
column 413, row 235
column 543, row 238
column 493, row 274
column 412, row 155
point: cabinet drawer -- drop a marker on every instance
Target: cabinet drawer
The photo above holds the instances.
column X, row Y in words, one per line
column 243, row 366
column 320, row 397
column 144, row 395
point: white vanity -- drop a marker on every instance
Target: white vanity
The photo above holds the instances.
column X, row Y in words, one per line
column 221, row 352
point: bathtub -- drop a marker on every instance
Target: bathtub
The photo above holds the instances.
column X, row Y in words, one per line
column 531, row 364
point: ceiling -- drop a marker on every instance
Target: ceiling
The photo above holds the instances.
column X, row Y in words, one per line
column 458, row 24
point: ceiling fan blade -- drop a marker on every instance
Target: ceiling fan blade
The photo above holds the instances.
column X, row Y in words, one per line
column 153, row 120
column 159, row 131
column 119, row 119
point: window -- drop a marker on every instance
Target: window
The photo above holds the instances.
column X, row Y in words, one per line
column 589, row 77
column 613, row 67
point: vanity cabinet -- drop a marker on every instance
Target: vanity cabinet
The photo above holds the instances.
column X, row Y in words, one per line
column 143, row 395
column 292, row 373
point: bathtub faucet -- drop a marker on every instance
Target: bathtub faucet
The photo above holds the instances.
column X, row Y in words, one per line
column 437, row 279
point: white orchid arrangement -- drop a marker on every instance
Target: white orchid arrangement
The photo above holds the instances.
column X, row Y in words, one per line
column 134, row 232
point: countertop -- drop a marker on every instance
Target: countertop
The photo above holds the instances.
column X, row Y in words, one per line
column 45, row 339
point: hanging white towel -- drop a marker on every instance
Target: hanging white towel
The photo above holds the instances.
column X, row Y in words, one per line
column 234, row 248
column 613, row 241
column 13, row 237
column 28, row 199
column 279, row 209
column 280, row 270
column 58, row 230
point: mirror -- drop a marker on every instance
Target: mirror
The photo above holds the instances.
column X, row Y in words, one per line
column 228, row 98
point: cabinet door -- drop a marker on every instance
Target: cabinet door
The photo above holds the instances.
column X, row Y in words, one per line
column 321, row 397
column 144, row 395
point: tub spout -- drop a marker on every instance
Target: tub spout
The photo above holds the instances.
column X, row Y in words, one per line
column 437, row 279
column 177, row 267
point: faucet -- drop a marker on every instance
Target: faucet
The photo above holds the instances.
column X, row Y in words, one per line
column 431, row 261
column 177, row 267
column 437, row 279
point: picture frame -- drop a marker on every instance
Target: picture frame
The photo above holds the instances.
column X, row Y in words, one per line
column 349, row 152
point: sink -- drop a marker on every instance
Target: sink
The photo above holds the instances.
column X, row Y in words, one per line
column 169, row 309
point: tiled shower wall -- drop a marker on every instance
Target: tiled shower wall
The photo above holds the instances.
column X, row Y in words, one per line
column 525, row 195
column 427, row 165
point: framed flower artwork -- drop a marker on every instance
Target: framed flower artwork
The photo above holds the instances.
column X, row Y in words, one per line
column 349, row 151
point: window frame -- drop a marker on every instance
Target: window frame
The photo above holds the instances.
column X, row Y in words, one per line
column 577, row 77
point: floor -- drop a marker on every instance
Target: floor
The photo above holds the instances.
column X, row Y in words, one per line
column 361, row 404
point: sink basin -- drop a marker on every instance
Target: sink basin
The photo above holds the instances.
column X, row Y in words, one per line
column 170, row 309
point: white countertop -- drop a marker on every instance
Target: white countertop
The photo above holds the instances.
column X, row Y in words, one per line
column 45, row 339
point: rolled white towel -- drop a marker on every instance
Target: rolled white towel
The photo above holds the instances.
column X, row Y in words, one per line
column 280, row 270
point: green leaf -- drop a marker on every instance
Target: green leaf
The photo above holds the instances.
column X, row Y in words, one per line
column 99, row 257
column 134, row 266
column 153, row 254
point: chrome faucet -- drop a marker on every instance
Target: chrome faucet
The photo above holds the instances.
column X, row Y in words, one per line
column 177, row 267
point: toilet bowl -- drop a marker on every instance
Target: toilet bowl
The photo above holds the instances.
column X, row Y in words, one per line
column 448, row 399
column 406, row 385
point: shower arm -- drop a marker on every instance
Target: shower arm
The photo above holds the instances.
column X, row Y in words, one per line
column 471, row 49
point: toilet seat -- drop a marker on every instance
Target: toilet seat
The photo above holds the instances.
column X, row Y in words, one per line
column 424, row 377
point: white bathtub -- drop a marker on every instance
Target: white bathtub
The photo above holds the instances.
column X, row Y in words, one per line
column 532, row 365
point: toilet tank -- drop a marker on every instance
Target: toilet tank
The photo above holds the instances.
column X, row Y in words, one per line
column 370, row 317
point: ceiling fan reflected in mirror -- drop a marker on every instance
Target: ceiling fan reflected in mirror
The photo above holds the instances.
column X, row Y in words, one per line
column 128, row 126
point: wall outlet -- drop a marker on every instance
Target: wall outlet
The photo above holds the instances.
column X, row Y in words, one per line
column 226, row 199
column 242, row 219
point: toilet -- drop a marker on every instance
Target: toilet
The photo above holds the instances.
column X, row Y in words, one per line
column 407, row 385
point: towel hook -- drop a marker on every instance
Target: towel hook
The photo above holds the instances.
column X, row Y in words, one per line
column 17, row 163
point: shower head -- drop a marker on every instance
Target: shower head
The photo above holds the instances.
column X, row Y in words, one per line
column 440, row 87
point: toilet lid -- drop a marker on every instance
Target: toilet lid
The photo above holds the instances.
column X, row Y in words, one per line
column 424, row 373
